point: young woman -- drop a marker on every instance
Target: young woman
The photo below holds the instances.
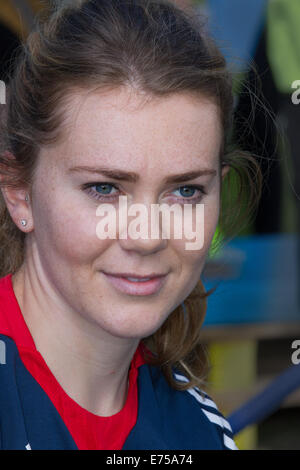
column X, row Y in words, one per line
column 98, row 350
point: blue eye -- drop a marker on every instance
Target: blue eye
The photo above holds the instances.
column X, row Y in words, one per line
column 103, row 188
column 186, row 191
column 103, row 192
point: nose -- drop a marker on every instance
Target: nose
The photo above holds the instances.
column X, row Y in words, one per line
column 141, row 231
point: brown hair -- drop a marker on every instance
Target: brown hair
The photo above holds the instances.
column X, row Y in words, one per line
column 152, row 46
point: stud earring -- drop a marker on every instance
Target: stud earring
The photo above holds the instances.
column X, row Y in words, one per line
column 27, row 198
column 24, row 222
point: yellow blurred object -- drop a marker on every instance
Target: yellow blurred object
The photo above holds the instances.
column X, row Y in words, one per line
column 11, row 17
column 233, row 369
column 247, row 439
column 36, row 5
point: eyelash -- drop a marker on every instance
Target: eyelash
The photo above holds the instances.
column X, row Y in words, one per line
column 88, row 189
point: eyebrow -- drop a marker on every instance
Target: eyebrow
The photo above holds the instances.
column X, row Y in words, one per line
column 131, row 177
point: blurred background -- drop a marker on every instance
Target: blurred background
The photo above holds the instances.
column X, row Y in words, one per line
column 252, row 328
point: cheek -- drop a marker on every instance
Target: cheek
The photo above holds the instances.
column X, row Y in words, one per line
column 200, row 224
column 67, row 231
column 198, row 234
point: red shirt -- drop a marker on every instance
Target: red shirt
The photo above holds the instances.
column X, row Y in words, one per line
column 88, row 430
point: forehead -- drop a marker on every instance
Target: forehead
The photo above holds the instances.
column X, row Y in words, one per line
column 128, row 126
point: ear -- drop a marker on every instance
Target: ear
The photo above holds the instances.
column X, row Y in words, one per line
column 18, row 205
column 17, row 202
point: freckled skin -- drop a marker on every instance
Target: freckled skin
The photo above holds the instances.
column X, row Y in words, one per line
column 86, row 330
column 162, row 137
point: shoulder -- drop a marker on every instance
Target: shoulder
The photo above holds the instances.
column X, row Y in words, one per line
column 210, row 410
column 182, row 419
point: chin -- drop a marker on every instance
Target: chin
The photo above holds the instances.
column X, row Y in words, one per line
column 133, row 327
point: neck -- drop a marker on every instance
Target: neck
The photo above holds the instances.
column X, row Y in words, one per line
column 90, row 364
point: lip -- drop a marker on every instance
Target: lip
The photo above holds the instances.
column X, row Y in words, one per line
column 134, row 287
column 137, row 276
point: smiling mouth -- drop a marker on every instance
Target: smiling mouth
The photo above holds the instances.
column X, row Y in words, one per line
column 135, row 285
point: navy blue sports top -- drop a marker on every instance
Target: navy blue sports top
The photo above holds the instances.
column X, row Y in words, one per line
column 36, row 413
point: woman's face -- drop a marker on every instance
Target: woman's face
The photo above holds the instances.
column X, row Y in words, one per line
column 118, row 132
